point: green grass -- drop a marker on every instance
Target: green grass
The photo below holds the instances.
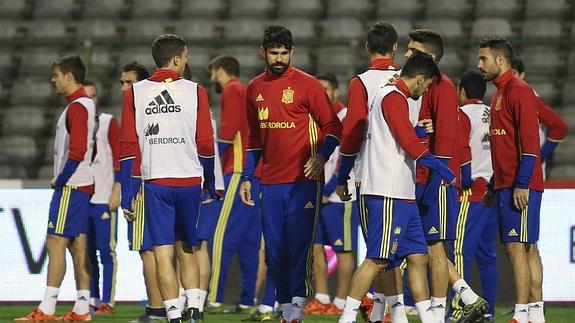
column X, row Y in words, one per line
column 125, row 313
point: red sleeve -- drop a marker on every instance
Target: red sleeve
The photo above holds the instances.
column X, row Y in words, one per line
column 354, row 122
column 233, row 106
column 128, row 136
column 321, row 110
column 204, row 131
column 396, row 113
column 522, row 100
column 114, row 140
column 77, row 124
column 556, row 127
column 253, row 123
column 464, row 134
column 444, row 109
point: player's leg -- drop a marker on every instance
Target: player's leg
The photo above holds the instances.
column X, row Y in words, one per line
column 264, row 311
column 93, row 258
column 536, row 313
column 346, row 257
column 321, row 298
column 487, row 259
column 248, row 254
column 106, row 243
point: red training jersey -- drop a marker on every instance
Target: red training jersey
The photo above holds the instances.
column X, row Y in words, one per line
column 233, row 126
column 556, row 127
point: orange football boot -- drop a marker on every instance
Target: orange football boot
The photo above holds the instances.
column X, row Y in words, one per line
column 36, row 316
column 74, row 317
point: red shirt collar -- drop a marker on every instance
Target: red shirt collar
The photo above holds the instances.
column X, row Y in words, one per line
column 503, row 78
column 472, row 101
column 163, row 74
column 400, row 84
column 338, row 106
column 77, row 94
column 383, row 63
column 234, row 80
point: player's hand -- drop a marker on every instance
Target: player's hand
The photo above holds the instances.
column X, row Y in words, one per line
column 427, row 125
column 488, row 198
column 343, row 192
column 210, row 188
column 130, row 214
column 53, row 183
column 246, row 193
column 114, row 202
column 314, row 166
column 521, row 198
column 324, row 199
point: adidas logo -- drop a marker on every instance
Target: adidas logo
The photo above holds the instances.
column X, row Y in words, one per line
column 162, row 103
column 309, row 205
column 338, row 242
column 54, row 296
column 377, row 300
column 172, row 308
column 152, row 130
column 439, row 306
column 433, row 230
column 50, row 225
column 259, row 98
column 512, row 233
column 82, row 298
column 105, row 216
column 397, row 304
column 429, row 309
column 296, row 305
column 535, row 306
column 462, row 289
column 523, row 311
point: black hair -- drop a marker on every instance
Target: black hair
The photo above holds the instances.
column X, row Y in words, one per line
column 430, row 39
column 329, row 77
column 420, row 64
column 473, row 84
column 89, row 83
column 166, row 47
column 277, row 36
column 228, row 63
column 517, row 64
column 72, row 64
column 500, row 45
column 140, row 70
column 381, row 37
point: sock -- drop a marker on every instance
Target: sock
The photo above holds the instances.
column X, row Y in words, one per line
column 203, row 296
column 425, row 311
column 467, row 294
column 521, row 313
column 265, row 308
column 322, row 298
column 173, row 310
column 339, row 302
column 82, row 304
column 48, row 304
column 378, row 307
column 286, row 311
column 182, row 298
column 536, row 313
column 297, row 305
column 438, row 305
column 350, row 310
column 95, row 302
column 396, row 308
column 193, row 296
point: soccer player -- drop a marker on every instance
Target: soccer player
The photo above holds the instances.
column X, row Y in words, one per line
column 238, row 228
column 337, row 226
column 294, row 130
column 517, row 182
column 476, row 224
column 168, row 120
column 388, row 169
column 436, row 199
column 102, row 221
column 73, row 186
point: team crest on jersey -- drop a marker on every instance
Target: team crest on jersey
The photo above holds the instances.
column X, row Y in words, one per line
column 397, row 230
column 394, row 247
column 287, row 95
column 498, row 103
column 263, row 113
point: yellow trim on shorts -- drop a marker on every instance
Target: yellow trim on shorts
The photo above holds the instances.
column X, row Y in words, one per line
column 386, row 229
column 458, row 246
column 524, row 214
column 313, row 138
column 238, row 153
column 138, row 223
column 63, row 210
column 347, row 237
column 443, row 211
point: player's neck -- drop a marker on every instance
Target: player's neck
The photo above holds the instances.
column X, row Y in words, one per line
column 375, row 56
column 71, row 89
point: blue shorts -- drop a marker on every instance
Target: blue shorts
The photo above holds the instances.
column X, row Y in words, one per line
column 68, row 215
column 515, row 225
column 172, row 213
column 139, row 238
column 394, row 229
column 337, row 226
column 102, row 227
column 439, row 220
column 208, row 218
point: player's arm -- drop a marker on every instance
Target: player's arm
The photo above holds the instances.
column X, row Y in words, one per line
column 205, row 141
column 254, row 150
column 233, row 109
column 465, row 151
column 114, row 141
column 77, row 126
column 323, row 114
column 128, row 150
column 556, row 128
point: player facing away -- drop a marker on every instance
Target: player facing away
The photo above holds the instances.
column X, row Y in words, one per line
column 168, row 120
column 337, row 226
column 73, row 186
column 238, row 228
column 517, row 182
column 294, row 130
column 102, row 221
column 476, row 224
column 391, row 148
column 436, row 200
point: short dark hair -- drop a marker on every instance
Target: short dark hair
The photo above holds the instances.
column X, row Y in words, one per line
column 89, row 83
column 517, row 64
column 140, row 70
column 229, row 64
column 430, row 39
column 381, row 37
column 329, row 77
column 473, row 84
column 277, row 36
column 420, row 64
column 166, row 47
column 500, row 45
column 72, row 64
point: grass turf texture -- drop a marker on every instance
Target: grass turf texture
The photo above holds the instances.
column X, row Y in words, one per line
column 125, row 313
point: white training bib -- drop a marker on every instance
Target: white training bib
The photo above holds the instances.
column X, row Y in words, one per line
column 478, row 114
column 103, row 164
